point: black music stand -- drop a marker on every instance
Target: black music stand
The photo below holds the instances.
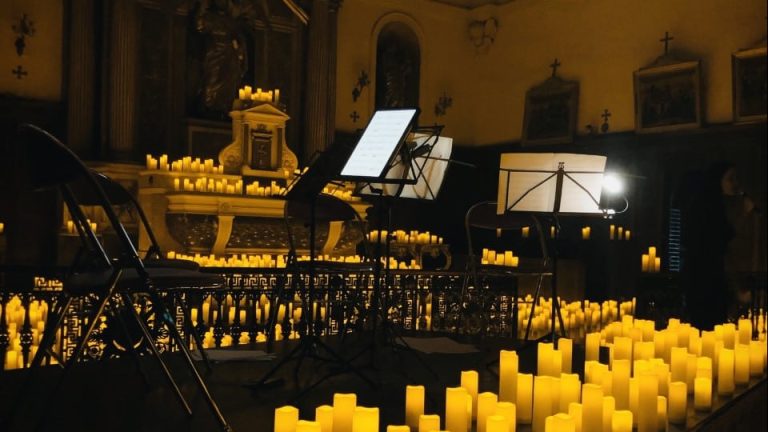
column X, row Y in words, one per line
column 549, row 184
column 306, row 192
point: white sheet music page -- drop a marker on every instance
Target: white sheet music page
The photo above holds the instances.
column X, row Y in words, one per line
column 379, row 141
column 514, row 184
column 433, row 170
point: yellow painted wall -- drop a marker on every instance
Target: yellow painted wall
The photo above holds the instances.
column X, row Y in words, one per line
column 600, row 43
column 42, row 58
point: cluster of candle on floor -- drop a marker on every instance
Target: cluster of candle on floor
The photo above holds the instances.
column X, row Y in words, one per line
column 247, row 93
column 183, row 165
column 646, row 384
column 402, row 236
column 15, row 313
column 650, row 262
column 499, row 258
column 618, row 233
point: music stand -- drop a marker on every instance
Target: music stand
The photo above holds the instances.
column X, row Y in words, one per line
column 306, row 191
column 551, row 184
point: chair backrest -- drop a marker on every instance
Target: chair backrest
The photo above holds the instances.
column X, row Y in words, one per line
column 49, row 164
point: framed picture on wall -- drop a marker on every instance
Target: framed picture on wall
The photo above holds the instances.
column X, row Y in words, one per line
column 668, row 97
column 749, row 85
column 550, row 112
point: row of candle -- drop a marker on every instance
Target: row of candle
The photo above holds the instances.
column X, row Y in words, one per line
column 183, row 165
column 650, row 262
column 247, row 93
column 257, row 190
column 241, row 260
column 15, row 315
column 341, row 193
column 401, row 236
column 618, row 233
column 503, row 258
column 209, row 185
column 70, row 226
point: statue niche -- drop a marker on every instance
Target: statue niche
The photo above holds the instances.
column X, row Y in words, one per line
column 398, row 60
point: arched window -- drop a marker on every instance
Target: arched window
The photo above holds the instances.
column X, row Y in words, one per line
column 398, row 60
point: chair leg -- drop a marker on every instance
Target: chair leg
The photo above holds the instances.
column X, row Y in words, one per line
column 189, row 327
column 130, row 348
column 151, row 342
column 163, row 314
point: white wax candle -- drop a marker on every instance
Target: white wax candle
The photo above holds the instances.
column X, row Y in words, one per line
column 324, row 416
column 365, row 419
column 609, row 406
column 469, row 381
column 524, row 398
column 565, row 346
column 414, row 405
column 621, row 421
column 648, row 390
column 570, row 391
column 509, row 412
column 286, row 418
column 429, row 422
column 575, row 411
column 508, row 364
column 343, row 409
column 678, row 402
column 496, row 423
column 486, row 406
column 661, row 413
column 702, row 394
column 620, row 378
column 456, row 409
column 592, row 407
column 592, row 352
column 725, row 372
column 308, row 426
column 741, row 364
column 542, row 401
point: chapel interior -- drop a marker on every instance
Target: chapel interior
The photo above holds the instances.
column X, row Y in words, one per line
column 383, row 215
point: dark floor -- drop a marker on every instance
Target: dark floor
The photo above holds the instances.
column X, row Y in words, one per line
column 112, row 396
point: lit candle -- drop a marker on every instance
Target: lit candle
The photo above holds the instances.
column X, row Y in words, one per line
column 620, row 378
column 469, row 381
column 524, row 398
column 508, row 364
column 565, row 346
column 661, row 413
column 592, row 352
column 545, row 352
column 621, row 421
column 324, row 416
column 634, row 396
column 307, row 426
column 756, row 355
column 679, row 363
column 393, row 428
column 570, row 391
column 627, row 236
column 741, row 364
column 648, row 391
column 343, row 409
column 611, row 231
column 592, row 407
column 560, row 422
column 725, row 372
column 702, row 394
column 644, row 260
column 486, row 406
column 495, row 423
column 609, row 406
column 456, row 409
column 526, row 231
column 657, row 265
column 414, row 405
column 678, row 401
column 542, row 400
column 365, row 419
column 286, row 418
column 575, row 411
column 429, row 422
column 509, row 412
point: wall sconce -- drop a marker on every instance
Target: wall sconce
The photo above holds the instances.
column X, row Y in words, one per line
column 362, row 82
column 483, row 33
column 443, row 103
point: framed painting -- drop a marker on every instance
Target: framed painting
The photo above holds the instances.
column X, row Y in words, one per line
column 749, row 85
column 550, row 112
column 668, row 97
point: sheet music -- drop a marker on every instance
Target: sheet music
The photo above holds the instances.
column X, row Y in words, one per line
column 380, row 139
column 433, row 172
column 574, row 199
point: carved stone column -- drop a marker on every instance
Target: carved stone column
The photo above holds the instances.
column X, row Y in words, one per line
column 121, row 81
column 316, row 109
column 333, row 19
column 81, row 79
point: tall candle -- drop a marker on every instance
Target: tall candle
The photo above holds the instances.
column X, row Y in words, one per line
column 609, row 406
column 644, row 263
column 560, row 422
column 575, row 411
column 661, row 413
column 544, row 354
column 729, row 335
column 741, row 364
column 343, row 409
column 508, row 411
column 456, row 409
column 542, row 401
column 286, row 418
column 469, row 380
column 679, row 363
column 621, row 421
column 690, row 372
column 429, row 422
column 365, row 419
column 678, row 401
column 611, row 232
column 565, row 346
column 496, row 423
column 526, row 231
column 745, row 331
column 756, row 355
column 648, row 390
column 634, row 398
column 486, row 406
column 725, row 372
column 592, row 407
column 414, row 405
column 621, row 374
column 508, row 364
column 324, row 416
column 524, row 398
column 592, row 352
column 570, row 390
column 308, row 426
column 702, row 394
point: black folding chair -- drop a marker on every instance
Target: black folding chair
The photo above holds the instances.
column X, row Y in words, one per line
column 108, row 280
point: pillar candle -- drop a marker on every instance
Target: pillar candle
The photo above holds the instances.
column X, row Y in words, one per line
column 570, row 390
column 745, row 331
column 648, row 390
column 634, row 396
column 592, row 411
column 414, row 405
column 324, row 416
column 575, row 411
column 544, row 359
column 343, row 409
column 308, row 426
column 393, row 428
column 729, row 335
column 286, row 418
column 592, row 350
column 611, row 232
column 609, row 406
column 621, row 374
column 524, row 398
column 429, row 422
column 756, row 354
column 621, row 421
column 486, row 406
column 690, row 372
column 678, row 402
column 456, row 409
column 560, row 422
column 496, row 423
column 365, row 419
column 508, row 411
column 708, row 344
column 469, row 380
column 542, row 401
column 508, row 364
column 565, row 346
column 702, row 394
column 741, row 364
column 644, row 264
column 679, row 363
column 526, row 231
column 725, row 372
column 703, row 367
column 622, row 348
column 661, row 413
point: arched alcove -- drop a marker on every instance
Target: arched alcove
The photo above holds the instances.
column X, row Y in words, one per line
column 398, row 65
